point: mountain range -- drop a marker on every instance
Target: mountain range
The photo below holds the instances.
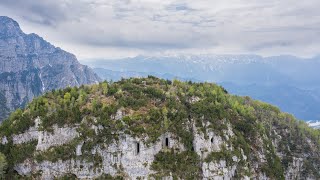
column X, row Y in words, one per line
column 30, row 66
column 289, row 82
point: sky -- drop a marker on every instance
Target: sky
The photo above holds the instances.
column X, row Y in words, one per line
column 125, row 28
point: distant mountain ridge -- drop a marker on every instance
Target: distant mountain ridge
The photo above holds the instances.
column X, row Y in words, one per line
column 30, row 66
column 110, row 75
column 263, row 78
column 224, row 68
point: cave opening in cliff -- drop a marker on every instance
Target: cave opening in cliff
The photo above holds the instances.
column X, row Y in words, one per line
column 211, row 140
column 138, row 148
column 167, row 142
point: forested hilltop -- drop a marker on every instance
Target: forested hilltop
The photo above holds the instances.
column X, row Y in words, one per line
column 151, row 128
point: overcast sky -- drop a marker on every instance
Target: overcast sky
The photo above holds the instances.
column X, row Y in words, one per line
column 120, row 28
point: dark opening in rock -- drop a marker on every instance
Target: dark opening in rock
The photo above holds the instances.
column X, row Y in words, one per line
column 167, row 142
column 138, row 148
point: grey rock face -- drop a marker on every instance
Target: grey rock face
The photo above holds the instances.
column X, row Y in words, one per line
column 121, row 156
column 30, row 66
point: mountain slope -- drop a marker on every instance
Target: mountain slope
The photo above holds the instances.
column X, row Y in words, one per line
column 30, row 66
column 153, row 128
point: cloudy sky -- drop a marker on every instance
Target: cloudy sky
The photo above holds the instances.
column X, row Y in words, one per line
column 120, row 28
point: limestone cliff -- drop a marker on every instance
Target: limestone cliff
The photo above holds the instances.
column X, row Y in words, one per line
column 30, row 66
column 151, row 129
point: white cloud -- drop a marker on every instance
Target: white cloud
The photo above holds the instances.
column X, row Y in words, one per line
column 115, row 28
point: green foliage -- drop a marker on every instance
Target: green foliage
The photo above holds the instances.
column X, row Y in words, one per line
column 67, row 98
column 150, row 125
column 53, row 154
column 221, row 155
column 131, row 102
column 104, row 87
column 3, row 165
column 21, row 152
column 109, row 177
column 67, row 177
column 154, row 93
column 18, row 122
column 183, row 165
column 112, row 90
column 15, row 154
column 273, row 168
column 239, row 142
column 82, row 98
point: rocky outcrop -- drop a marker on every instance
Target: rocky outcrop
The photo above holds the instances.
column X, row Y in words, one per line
column 218, row 170
column 131, row 157
column 30, row 66
column 59, row 136
column 120, row 156
column 167, row 136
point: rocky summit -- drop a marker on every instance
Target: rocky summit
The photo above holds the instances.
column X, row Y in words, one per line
column 30, row 66
column 149, row 128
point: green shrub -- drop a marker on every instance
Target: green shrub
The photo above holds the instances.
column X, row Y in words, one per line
column 183, row 165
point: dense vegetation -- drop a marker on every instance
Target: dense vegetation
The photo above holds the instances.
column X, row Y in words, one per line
column 154, row 106
column 3, row 165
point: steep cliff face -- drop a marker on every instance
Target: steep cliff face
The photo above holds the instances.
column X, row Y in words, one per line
column 150, row 128
column 30, row 66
